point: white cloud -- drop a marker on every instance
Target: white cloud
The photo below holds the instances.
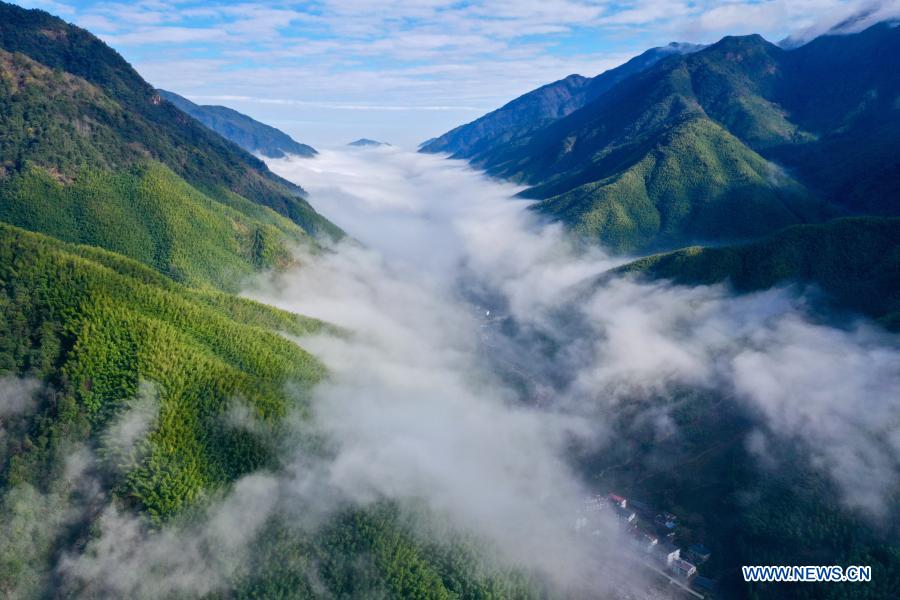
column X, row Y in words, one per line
column 443, row 228
column 16, row 396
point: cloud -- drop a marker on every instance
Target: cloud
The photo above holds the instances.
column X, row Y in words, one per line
column 846, row 18
column 16, row 396
column 124, row 442
column 128, row 558
column 481, row 351
column 452, row 244
column 838, row 391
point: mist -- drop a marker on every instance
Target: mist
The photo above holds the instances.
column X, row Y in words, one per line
column 479, row 353
column 484, row 347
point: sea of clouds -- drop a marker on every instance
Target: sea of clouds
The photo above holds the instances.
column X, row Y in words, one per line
column 413, row 400
column 479, row 345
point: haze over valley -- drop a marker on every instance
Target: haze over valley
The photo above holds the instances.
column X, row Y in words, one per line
column 616, row 338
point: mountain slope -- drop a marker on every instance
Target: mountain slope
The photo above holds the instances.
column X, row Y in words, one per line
column 539, row 107
column 103, row 115
column 655, row 161
column 117, row 345
column 854, row 115
column 827, row 110
column 248, row 133
column 694, row 182
column 97, row 324
column 856, row 261
column 80, row 188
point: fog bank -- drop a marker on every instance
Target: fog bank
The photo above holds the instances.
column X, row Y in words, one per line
column 434, row 395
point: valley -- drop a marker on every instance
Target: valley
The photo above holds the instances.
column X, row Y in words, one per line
column 617, row 338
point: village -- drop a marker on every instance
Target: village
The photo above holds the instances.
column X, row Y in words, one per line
column 653, row 537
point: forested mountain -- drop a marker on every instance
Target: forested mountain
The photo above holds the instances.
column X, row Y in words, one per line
column 248, row 133
column 77, row 122
column 160, row 435
column 116, row 344
column 133, row 386
column 855, row 261
column 544, row 105
column 692, row 148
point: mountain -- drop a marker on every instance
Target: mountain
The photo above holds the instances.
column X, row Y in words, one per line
column 540, row 107
column 248, row 133
column 856, row 261
column 112, row 350
column 90, row 153
column 733, row 141
column 367, row 143
column 107, row 321
column 854, row 118
column 136, row 393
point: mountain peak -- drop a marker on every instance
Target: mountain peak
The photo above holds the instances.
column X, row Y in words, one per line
column 367, row 143
column 743, row 42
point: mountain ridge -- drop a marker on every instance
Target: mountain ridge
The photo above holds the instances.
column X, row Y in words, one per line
column 541, row 106
column 135, row 122
column 248, row 133
column 752, row 99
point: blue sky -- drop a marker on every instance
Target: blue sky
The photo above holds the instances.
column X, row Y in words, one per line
column 331, row 71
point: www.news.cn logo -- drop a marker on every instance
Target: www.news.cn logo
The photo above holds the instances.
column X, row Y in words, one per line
column 809, row 573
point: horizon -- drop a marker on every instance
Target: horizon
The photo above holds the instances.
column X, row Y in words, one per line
column 419, row 68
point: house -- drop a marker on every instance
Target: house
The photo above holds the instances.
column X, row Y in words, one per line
column 644, row 541
column 667, row 552
column 625, row 514
column 621, row 501
column 595, row 504
column 699, row 553
column 682, row 568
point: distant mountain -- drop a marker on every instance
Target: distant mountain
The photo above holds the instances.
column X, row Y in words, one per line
column 856, row 261
column 366, row 142
column 90, row 153
column 248, row 133
column 544, row 105
column 683, row 151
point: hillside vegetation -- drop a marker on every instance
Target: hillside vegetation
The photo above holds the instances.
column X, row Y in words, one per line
column 95, row 325
column 109, row 336
column 777, row 137
column 148, row 213
column 70, row 105
column 695, row 182
column 856, row 261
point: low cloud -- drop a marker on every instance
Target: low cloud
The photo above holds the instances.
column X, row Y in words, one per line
column 846, row 18
column 129, row 558
column 17, row 396
column 448, row 245
column 481, row 350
